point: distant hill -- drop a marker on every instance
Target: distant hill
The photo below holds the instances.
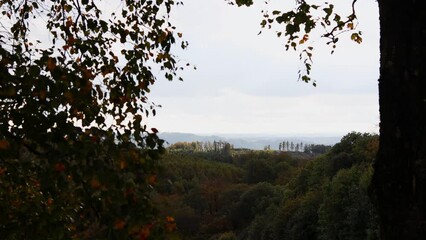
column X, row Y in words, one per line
column 246, row 141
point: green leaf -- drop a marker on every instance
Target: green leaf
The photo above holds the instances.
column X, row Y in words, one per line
column 244, row 2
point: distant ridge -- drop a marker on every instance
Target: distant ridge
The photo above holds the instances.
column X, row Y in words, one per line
column 246, row 141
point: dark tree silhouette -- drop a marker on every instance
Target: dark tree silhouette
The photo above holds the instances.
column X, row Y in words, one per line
column 399, row 180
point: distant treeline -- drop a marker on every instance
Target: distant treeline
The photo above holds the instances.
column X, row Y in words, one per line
column 226, row 147
column 215, row 146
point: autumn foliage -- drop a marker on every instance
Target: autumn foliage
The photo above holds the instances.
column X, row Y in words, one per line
column 76, row 159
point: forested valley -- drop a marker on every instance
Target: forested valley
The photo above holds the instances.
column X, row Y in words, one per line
column 225, row 194
column 78, row 160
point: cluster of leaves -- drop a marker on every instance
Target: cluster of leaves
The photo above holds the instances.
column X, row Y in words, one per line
column 76, row 160
column 300, row 23
column 270, row 195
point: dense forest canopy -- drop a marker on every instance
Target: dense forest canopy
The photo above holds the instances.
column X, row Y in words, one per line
column 271, row 194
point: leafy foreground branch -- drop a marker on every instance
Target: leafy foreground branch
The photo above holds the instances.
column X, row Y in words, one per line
column 76, row 160
column 299, row 24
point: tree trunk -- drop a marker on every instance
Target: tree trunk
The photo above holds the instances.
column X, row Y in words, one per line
column 399, row 182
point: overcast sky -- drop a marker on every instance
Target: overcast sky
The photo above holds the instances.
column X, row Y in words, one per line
column 247, row 83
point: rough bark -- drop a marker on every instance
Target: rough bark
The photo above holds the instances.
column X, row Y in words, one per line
column 399, row 181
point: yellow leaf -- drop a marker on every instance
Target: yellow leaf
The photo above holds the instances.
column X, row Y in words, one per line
column 170, row 219
column 8, row 91
column 152, row 179
column 69, row 22
column 68, row 96
column 59, row 167
column 123, row 164
column 42, row 95
column 119, row 224
column 356, row 37
column 4, row 144
column 170, row 227
column 95, row 184
column 145, row 232
column 51, row 64
column 49, row 201
column 87, row 73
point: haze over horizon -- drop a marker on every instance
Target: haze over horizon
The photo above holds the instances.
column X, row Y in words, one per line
column 249, row 141
column 256, row 135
